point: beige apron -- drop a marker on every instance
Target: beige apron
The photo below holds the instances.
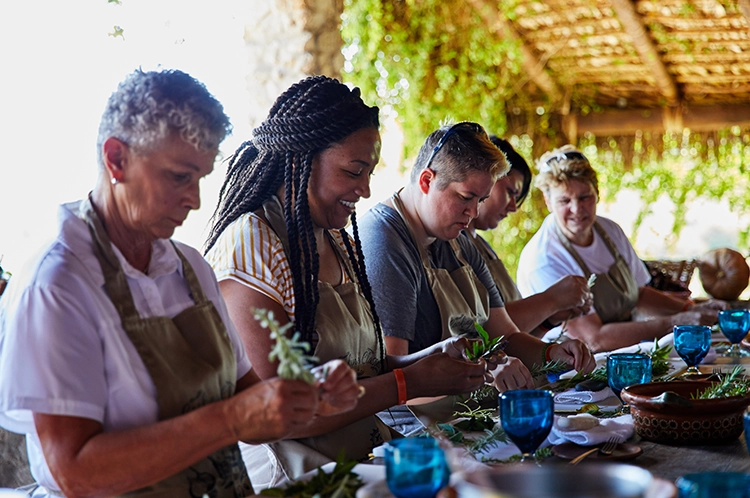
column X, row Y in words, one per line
column 191, row 361
column 507, row 287
column 346, row 330
column 615, row 292
column 462, row 300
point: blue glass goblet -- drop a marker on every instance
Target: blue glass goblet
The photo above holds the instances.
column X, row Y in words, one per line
column 692, row 343
column 527, row 416
column 627, row 369
column 714, row 485
column 415, row 467
column 735, row 325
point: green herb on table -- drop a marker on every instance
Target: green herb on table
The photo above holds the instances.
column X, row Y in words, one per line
column 475, row 419
column 596, row 411
column 291, row 353
column 492, row 437
column 453, row 435
column 659, row 359
column 551, row 367
column 730, row 384
column 340, row 483
column 565, row 384
column 487, row 391
column 484, row 347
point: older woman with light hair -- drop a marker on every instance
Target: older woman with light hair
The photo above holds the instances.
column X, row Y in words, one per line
column 118, row 359
column 573, row 240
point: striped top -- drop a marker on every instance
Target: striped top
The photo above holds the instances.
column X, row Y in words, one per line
column 250, row 252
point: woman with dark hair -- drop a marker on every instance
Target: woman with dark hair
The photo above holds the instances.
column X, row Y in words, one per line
column 278, row 242
column 538, row 313
column 431, row 284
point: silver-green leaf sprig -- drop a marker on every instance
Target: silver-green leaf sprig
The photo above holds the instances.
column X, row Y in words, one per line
column 291, row 353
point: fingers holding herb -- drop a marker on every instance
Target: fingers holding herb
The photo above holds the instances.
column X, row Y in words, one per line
column 512, row 375
column 338, row 387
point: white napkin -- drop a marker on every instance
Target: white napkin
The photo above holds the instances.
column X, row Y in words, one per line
column 620, row 427
column 573, row 396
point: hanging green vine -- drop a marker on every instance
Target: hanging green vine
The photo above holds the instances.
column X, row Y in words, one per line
column 429, row 60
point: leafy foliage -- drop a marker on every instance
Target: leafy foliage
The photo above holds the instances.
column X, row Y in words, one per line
column 291, row 353
column 426, row 61
column 340, row 483
column 484, row 347
column 731, row 384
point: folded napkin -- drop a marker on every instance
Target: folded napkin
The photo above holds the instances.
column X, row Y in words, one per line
column 620, row 427
column 573, row 396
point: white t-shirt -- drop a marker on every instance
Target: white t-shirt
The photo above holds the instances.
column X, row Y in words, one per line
column 62, row 348
column 545, row 260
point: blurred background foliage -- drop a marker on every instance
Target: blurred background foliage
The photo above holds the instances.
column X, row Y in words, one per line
column 425, row 62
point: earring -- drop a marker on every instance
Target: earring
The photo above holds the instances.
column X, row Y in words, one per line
column 113, row 181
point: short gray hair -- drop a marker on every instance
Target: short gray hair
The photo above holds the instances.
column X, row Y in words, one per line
column 148, row 106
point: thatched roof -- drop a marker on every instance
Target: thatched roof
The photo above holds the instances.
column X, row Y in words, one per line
column 616, row 66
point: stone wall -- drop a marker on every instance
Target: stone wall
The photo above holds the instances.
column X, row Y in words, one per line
column 287, row 40
column 14, row 466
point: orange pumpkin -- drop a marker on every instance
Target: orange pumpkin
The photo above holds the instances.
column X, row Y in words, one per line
column 724, row 273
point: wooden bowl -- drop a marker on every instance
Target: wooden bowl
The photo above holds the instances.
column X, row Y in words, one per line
column 665, row 413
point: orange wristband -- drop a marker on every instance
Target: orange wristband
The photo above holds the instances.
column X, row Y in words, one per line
column 547, row 352
column 688, row 304
column 401, row 385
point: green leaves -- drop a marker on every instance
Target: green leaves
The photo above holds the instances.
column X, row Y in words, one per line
column 731, row 384
column 294, row 363
column 484, row 347
column 340, row 483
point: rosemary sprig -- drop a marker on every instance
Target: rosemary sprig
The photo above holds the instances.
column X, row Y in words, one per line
column 731, row 384
column 485, row 347
column 492, row 437
column 551, row 367
column 294, row 363
column 487, row 391
column 565, row 384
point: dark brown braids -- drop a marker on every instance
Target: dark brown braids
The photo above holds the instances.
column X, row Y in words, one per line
column 308, row 118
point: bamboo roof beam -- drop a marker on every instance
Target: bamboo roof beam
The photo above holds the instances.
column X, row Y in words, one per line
column 745, row 9
column 632, row 24
column 628, row 121
column 532, row 65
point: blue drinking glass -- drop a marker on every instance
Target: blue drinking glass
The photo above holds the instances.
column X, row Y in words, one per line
column 627, row 369
column 746, row 422
column 692, row 343
column 735, row 325
column 714, row 485
column 527, row 416
column 415, row 467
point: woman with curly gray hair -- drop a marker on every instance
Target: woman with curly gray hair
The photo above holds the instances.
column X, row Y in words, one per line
column 118, row 358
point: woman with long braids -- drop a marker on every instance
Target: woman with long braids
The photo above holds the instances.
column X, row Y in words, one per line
column 278, row 243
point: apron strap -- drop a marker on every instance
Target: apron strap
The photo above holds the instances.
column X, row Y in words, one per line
column 115, row 281
column 196, row 291
column 569, row 246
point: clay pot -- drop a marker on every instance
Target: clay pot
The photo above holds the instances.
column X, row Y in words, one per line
column 665, row 413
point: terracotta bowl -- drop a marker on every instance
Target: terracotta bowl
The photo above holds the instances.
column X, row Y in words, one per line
column 665, row 413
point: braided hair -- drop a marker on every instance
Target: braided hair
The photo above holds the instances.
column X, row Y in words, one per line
column 308, row 118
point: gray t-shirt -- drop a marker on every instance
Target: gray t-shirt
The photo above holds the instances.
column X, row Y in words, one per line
column 403, row 298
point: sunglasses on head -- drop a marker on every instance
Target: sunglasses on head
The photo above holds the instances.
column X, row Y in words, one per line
column 562, row 156
column 468, row 125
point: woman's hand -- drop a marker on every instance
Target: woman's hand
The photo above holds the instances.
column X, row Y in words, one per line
column 338, row 387
column 271, row 410
column 441, row 374
column 711, row 305
column 574, row 353
column 572, row 295
column 512, row 374
column 695, row 317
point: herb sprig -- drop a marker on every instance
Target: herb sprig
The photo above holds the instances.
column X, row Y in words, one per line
column 730, row 384
column 291, row 353
column 485, row 347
